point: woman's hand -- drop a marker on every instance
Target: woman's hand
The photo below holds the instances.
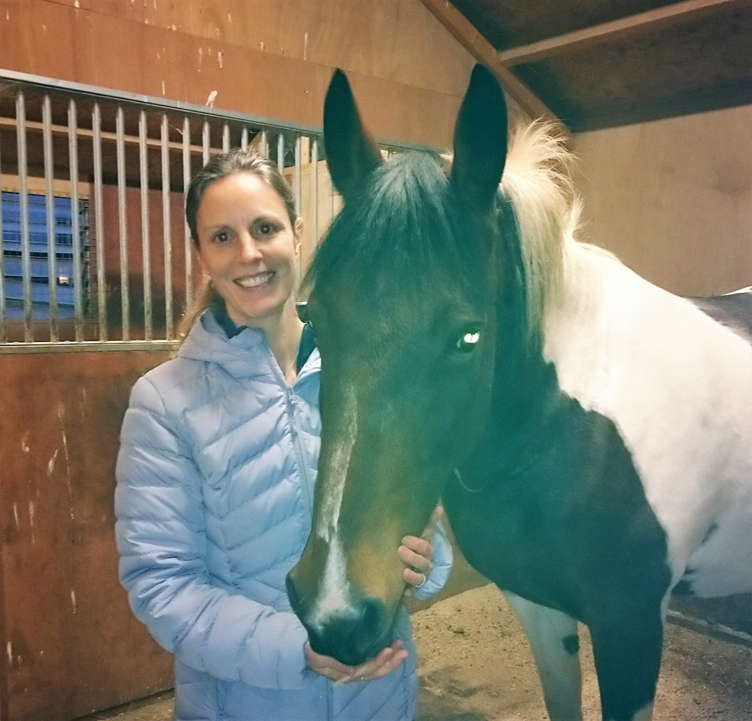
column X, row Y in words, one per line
column 386, row 661
column 417, row 554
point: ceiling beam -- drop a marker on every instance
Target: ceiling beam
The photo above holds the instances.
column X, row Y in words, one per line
column 469, row 37
column 614, row 30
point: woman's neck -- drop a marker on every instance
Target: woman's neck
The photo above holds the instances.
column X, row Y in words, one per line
column 283, row 337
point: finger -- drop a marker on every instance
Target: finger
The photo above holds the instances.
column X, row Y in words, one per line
column 384, row 658
column 393, row 664
column 419, row 560
column 364, row 671
column 326, row 665
column 385, row 663
column 416, row 579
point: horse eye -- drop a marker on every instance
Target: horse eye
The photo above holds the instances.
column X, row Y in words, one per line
column 468, row 341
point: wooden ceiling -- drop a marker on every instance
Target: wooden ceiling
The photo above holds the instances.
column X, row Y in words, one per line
column 601, row 63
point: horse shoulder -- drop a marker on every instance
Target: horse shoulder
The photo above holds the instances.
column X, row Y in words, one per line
column 676, row 384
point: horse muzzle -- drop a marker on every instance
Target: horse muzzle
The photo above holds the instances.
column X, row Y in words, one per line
column 353, row 633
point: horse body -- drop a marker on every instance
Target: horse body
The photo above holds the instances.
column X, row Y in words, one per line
column 588, row 432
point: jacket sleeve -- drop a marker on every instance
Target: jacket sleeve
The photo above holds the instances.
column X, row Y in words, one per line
column 162, row 544
column 442, row 565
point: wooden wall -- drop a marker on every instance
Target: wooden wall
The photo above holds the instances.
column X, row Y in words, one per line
column 271, row 58
column 70, row 643
column 673, row 198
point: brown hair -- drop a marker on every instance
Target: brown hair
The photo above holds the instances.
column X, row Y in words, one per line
column 220, row 166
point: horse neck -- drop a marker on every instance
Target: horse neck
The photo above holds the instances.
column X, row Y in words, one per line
column 523, row 381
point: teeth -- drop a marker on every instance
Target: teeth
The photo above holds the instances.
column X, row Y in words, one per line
column 255, row 280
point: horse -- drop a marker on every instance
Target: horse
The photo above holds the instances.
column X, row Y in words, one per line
column 588, row 433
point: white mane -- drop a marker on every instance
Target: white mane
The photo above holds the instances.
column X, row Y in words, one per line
column 538, row 180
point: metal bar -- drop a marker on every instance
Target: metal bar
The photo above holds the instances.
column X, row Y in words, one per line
column 648, row 21
column 264, row 144
column 86, row 346
column 145, row 238
column 3, row 308
column 244, row 138
column 28, row 307
column 78, row 275
column 206, row 139
column 281, row 153
column 96, row 122
column 85, row 134
column 49, row 196
column 314, row 194
column 298, row 192
column 225, row 138
column 125, row 306
column 188, row 246
column 166, row 226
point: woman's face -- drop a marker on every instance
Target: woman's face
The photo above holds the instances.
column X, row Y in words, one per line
column 248, row 247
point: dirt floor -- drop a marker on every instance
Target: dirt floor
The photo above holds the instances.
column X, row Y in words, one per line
column 475, row 665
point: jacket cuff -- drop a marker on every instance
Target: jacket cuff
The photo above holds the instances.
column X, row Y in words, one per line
column 442, row 565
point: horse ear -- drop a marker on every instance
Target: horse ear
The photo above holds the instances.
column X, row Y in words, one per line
column 351, row 153
column 480, row 139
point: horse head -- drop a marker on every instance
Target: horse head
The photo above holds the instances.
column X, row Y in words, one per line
column 402, row 303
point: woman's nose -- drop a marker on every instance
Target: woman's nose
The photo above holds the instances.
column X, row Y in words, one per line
column 248, row 249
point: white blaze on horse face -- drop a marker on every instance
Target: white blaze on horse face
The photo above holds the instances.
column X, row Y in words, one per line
column 334, row 593
column 339, row 462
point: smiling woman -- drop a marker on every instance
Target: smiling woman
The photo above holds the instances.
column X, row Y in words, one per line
column 216, row 478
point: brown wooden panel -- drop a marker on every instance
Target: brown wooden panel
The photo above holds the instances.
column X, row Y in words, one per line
column 691, row 67
column 109, row 51
column 673, row 198
column 17, row 33
column 396, row 40
column 70, row 642
column 54, row 50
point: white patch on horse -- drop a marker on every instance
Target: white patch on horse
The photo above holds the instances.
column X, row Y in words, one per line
column 339, row 463
column 334, row 596
column 678, row 387
column 334, row 591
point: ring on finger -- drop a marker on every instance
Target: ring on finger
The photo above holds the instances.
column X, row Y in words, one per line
column 424, row 578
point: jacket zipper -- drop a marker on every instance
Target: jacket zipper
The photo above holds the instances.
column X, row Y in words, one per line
column 295, row 432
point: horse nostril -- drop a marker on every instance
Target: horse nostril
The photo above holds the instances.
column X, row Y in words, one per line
column 372, row 617
column 355, row 635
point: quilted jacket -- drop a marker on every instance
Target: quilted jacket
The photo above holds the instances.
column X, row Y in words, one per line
column 214, row 498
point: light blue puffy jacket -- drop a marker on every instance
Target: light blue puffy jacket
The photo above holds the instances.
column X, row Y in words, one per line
column 214, row 504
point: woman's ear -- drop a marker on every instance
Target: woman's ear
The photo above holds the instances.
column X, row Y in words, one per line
column 199, row 258
column 298, row 231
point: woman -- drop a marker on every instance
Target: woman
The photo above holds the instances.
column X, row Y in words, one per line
column 215, row 475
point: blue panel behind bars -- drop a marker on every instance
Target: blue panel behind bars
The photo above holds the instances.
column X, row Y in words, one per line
column 11, row 211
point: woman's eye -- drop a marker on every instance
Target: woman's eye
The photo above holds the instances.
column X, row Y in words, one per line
column 264, row 229
column 468, row 341
column 221, row 237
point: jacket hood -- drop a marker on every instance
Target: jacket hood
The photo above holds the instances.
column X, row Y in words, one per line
column 208, row 342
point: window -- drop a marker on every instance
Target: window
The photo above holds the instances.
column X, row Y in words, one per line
column 64, row 284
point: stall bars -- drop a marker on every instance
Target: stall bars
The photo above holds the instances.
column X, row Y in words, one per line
column 121, row 159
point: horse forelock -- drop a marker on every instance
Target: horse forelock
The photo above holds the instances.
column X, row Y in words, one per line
column 400, row 227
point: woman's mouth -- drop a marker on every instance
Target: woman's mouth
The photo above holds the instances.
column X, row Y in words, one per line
column 253, row 281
